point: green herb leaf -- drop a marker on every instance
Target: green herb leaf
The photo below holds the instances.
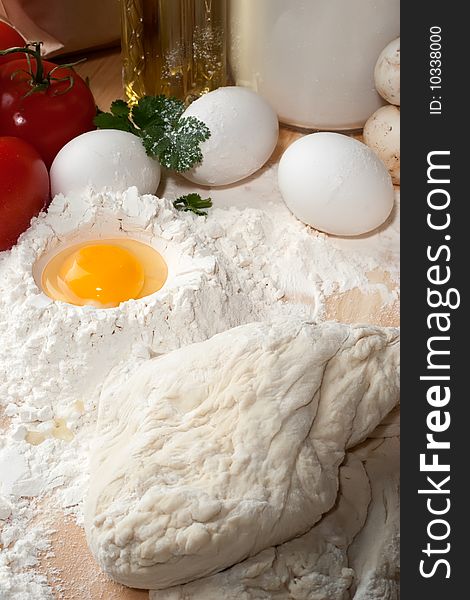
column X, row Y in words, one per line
column 192, row 203
column 118, row 118
column 176, row 147
column 157, row 110
column 174, row 140
column 119, row 108
column 108, row 121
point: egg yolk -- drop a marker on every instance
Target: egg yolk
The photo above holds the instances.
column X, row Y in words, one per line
column 103, row 273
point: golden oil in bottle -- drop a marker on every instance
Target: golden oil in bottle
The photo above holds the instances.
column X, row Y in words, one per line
column 173, row 47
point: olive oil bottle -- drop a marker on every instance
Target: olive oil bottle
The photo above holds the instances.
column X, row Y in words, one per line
column 173, row 47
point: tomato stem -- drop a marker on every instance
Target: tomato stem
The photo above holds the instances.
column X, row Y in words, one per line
column 39, row 80
column 34, row 50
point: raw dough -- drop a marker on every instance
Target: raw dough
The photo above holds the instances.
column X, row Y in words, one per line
column 375, row 553
column 219, row 450
column 300, row 569
column 340, row 558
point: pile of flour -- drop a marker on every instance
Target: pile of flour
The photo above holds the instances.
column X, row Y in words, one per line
column 233, row 267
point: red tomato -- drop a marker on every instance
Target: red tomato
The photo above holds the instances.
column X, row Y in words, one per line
column 46, row 116
column 24, row 188
column 9, row 38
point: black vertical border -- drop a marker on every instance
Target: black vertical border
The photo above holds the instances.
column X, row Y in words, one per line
column 422, row 133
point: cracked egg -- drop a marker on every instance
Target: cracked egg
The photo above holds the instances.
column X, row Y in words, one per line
column 104, row 272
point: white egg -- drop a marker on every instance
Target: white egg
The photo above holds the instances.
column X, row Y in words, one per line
column 104, row 159
column 244, row 132
column 335, row 184
column 387, row 73
column 382, row 134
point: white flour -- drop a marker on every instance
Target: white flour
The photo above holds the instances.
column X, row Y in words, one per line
column 235, row 266
column 301, row 260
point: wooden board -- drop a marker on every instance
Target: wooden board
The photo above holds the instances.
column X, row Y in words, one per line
column 70, row 568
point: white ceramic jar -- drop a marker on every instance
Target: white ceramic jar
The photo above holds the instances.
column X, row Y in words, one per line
column 313, row 60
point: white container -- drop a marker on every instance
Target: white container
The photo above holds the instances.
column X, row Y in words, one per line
column 313, row 60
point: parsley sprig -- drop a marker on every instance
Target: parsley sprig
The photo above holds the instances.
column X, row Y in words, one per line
column 168, row 136
column 193, row 203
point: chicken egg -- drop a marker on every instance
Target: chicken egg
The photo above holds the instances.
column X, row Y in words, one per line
column 104, row 159
column 244, row 133
column 335, row 184
column 104, row 273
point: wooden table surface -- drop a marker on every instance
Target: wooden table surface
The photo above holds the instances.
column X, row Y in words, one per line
column 74, row 571
column 104, row 72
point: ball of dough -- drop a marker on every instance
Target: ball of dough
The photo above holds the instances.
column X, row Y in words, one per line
column 104, row 159
column 244, row 132
column 335, row 184
column 382, row 134
column 387, row 73
column 218, row 450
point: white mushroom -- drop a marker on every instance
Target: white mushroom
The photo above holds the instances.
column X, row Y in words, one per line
column 387, row 73
column 382, row 134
